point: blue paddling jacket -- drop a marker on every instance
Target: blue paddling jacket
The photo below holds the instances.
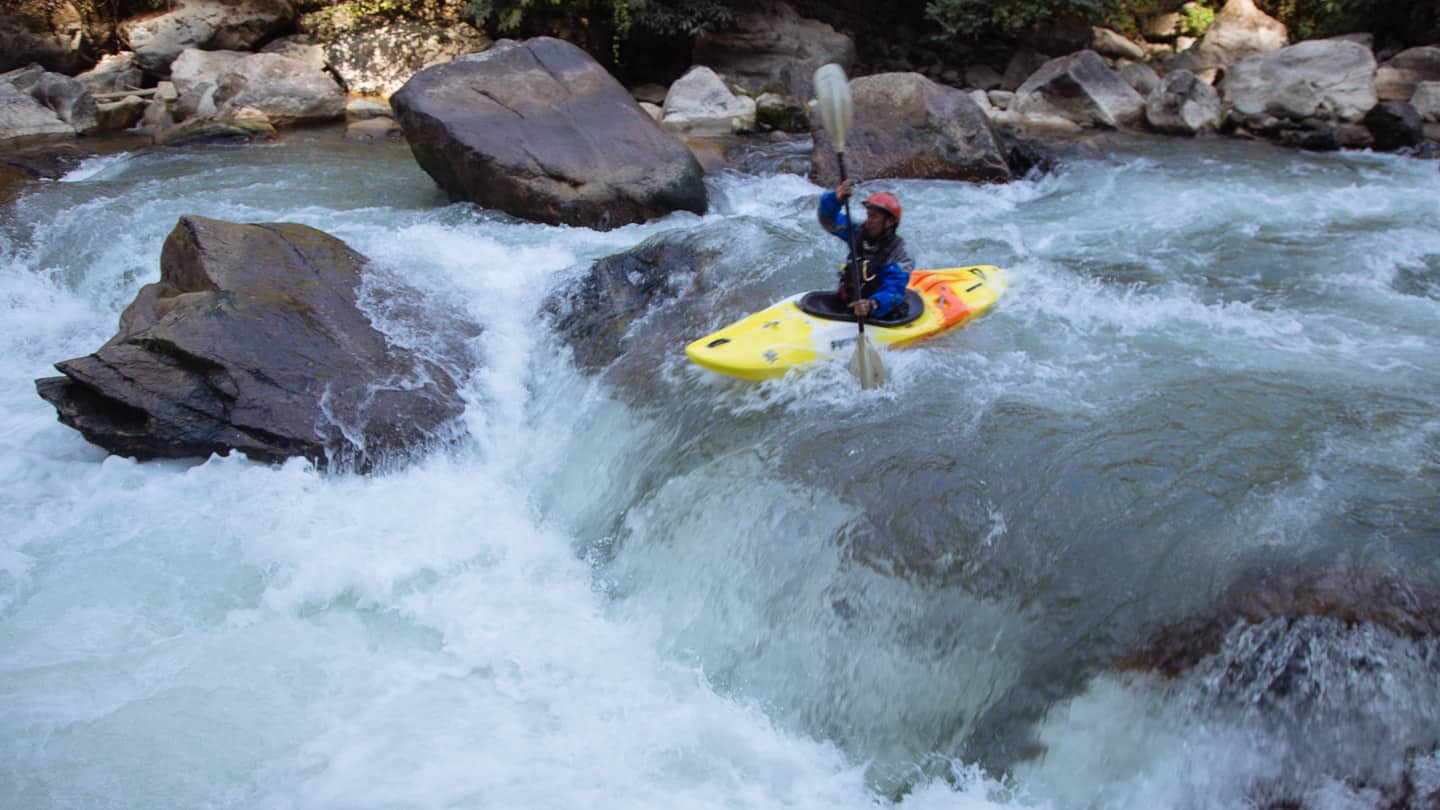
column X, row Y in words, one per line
column 885, row 264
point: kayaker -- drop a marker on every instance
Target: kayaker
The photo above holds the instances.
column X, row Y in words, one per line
column 884, row 264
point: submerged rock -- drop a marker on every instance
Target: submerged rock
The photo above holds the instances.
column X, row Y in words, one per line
column 538, row 129
column 594, row 317
column 252, row 340
column 1353, row 597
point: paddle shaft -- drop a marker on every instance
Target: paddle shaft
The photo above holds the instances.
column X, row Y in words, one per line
column 852, row 266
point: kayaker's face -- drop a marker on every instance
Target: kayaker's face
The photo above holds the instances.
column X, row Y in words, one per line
column 876, row 221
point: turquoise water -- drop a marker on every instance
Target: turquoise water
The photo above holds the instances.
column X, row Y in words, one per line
column 654, row 588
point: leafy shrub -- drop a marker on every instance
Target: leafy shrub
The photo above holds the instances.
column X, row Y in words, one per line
column 1195, row 18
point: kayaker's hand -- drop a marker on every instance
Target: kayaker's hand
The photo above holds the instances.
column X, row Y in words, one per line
column 862, row 307
column 843, row 191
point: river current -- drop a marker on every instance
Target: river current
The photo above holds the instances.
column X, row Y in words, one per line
column 649, row 587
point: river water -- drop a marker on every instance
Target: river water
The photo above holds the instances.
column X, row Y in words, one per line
column 649, row 587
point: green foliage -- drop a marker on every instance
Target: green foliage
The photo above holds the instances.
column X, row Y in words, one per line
column 1408, row 21
column 687, row 17
column 966, row 19
column 658, row 16
column 373, row 8
column 1195, row 19
column 1411, row 21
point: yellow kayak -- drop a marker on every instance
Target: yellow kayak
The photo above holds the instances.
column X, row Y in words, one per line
column 805, row 329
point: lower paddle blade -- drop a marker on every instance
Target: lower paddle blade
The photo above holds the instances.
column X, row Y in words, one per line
column 865, row 365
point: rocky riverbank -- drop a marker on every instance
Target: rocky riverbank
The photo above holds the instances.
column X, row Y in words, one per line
column 207, row 69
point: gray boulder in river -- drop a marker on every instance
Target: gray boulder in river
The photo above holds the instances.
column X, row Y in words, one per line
column 540, row 130
column 909, row 126
column 253, row 340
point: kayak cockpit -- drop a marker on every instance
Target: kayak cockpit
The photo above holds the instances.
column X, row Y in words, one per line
column 827, row 305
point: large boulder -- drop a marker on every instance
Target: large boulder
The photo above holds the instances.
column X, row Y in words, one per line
column 538, row 129
column 1326, row 79
column 287, row 90
column 252, row 340
column 379, row 60
column 51, row 34
column 25, row 120
column 1395, row 125
column 116, row 72
column 1081, row 88
column 772, row 48
column 1183, row 105
column 1239, row 30
column 699, row 103
column 908, row 126
column 1397, row 78
column 71, row 102
column 1426, row 101
column 209, row 24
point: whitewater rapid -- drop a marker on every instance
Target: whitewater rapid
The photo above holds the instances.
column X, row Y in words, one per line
column 654, row 588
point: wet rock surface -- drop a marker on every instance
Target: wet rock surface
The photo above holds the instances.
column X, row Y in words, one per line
column 253, row 340
column 538, row 129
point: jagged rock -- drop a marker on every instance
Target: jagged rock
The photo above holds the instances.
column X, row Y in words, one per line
column 287, row 90
column 1141, row 77
column 379, row 60
column 1395, row 125
column 71, row 102
column 773, row 49
column 1183, row 105
column 252, row 341
column 1240, row 30
column 1083, row 89
column 1327, row 79
column 908, row 126
column 540, row 130
column 593, row 317
column 1397, row 79
column 700, row 104
column 25, row 120
column 114, row 73
column 236, row 25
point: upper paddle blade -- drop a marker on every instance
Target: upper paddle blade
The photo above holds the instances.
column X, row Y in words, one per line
column 865, row 365
column 832, row 93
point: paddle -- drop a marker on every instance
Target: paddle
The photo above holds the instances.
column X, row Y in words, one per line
column 832, row 93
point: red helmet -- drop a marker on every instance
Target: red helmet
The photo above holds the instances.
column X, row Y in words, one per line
column 886, row 202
